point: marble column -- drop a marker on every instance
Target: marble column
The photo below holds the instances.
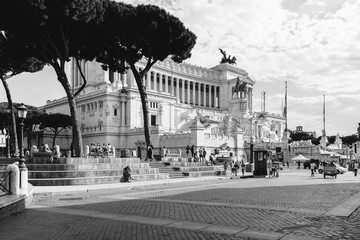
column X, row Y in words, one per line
column 161, row 82
column 177, row 90
column 182, row 91
column 204, row 96
column 155, row 82
column 188, row 92
column 171, row 86
column 166, row 84
column 210, row 96
column 194, row 91
column 199, row 94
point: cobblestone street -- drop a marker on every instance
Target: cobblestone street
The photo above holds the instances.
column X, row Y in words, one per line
column 293, row 206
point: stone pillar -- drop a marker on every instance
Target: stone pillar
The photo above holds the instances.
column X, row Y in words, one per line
column 210, row 96
column 24, row 174
column 86, row 151
column 171, row 86
column 161, row 82
column 204, row 96
column 166, row 84
column 238, row 136
column 194, row 95
column 197, row 134
column 123, row 110
column 177, row 90
column 113, row 151
column 188, row 92
column 13, row 182
column 182, row 91
column 199, row 94
column 155, row 82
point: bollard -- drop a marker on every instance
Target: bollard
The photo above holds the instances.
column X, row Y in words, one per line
column 13, row 182
column 86, row 151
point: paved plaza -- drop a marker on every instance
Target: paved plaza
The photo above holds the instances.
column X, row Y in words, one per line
column 292, row 206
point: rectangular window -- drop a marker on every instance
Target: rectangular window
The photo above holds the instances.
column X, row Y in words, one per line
column 153, row 120
column 115, row 112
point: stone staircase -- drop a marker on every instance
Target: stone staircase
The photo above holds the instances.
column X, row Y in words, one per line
column 173, row 173
column 83, row 171
column 189, row 168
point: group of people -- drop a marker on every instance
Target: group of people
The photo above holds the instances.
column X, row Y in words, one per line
column 99, row 150
column 235, row 166
column 198, row 154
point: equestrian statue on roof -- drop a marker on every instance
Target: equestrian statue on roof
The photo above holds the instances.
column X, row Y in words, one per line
column 227, row 59
column 239, row 87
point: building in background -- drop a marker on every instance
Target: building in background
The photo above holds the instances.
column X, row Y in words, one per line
column 188, row 105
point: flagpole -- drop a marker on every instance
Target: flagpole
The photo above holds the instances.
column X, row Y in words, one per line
column 285, row 109
column 324, row 133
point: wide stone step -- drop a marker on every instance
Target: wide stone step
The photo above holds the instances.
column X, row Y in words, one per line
column 93, row 180
column 169, row 160
column 89, row 173
column 84, row 166
column 92, row 160
column 201, row 173
column 195, row 168
column 187, row 164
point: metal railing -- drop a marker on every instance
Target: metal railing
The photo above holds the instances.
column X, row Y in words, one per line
column 5, row 176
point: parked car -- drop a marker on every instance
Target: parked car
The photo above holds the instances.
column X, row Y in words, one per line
column 339, row 169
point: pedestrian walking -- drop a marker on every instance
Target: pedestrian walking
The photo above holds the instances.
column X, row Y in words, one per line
column 356, row 167
column 187, row 150
column 312, row 168
column 192, row 151
column 298, row 164
column 243, row 167
column 287, row 164
column 225, row 167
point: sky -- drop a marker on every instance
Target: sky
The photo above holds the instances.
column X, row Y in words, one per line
column 313, row 45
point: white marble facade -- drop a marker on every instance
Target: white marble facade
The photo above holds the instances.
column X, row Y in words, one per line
column 177, row 94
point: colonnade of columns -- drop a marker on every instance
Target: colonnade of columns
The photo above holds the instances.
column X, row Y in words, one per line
column 185, row 91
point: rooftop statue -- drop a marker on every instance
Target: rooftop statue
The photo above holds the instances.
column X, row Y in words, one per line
column 227, row 59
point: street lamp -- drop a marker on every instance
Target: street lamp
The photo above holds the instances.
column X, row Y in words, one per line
column 21, row 111
column 251, row 142
column 8, row 111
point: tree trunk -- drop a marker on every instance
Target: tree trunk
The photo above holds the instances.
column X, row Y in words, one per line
column 12, row 132
column 76, row 134
column 54, row 138
column 144, row 102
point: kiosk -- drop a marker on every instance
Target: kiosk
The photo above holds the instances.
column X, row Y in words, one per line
column 260, row 160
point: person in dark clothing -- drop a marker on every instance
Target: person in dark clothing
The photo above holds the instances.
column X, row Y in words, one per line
column 187, row 150
column 192, row 151
column 127, row 174
column 150, row 153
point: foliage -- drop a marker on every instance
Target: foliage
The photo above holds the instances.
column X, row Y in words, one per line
column 298, row 136
column 142, row 32
column 349, row 140
column 55, row 31
column 55, row 122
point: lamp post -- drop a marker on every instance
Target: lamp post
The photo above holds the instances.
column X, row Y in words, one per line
column 8, row 111
column 251, row 142
column 22, row 111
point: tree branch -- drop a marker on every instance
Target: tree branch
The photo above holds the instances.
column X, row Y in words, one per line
column 82, row 76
